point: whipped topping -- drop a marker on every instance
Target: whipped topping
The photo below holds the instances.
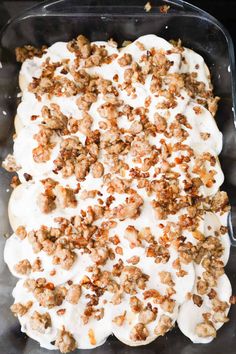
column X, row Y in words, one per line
column 171, row 97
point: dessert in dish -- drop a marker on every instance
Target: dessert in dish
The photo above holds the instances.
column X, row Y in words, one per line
column 119, row 224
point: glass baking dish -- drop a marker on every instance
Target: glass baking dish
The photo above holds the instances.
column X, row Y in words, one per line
column 122, row 20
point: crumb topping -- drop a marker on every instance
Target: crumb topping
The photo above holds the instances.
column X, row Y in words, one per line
column 125, row 176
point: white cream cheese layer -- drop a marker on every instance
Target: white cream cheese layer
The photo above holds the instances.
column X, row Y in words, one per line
column 204, row 144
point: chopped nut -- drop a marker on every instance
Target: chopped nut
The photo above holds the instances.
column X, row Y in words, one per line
column 233, row 299
column 133, row 260
column 168, row 305
column 64, row 257
column 131, row 277
column 135, row 128
column 213, row 105
column 19, row 309
column 135, row 304
column 61, row 312
column 160, row 123
column 164, row 325
column 220, row 201
column 131, row 209
column 132, row 235
column 10, row 164
column 15, row 182
column 220, row 316
column 65, row 341
column 202, row 287
column 212, row 294
column 65, row 197
column 53, row 117
column 166, row 278
column 204, row 329
column 139, row 332
column 97, row 170
column 99, row 255
column 28, row 52
column 147, row 315
column 73, row 294
column 48, row 297
column 88, row 194
column 21, row 232
column 81, row 46
column 116, row 299
column 27, row 177
column 23, row 267
column 197, row 300
column 40, row 322
column 126, row 59
column 164, row 8
column 36, row 266
column 46, row 203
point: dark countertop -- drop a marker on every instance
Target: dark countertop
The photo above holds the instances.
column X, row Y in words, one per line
column 223, row 10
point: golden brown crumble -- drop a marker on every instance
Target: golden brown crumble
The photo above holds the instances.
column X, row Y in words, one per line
column 205, row 329
column 28, row 52
column 10, row 164
column 65, row 342
column 40, row 322
column 164, row 325
column 104, row 153
column 23, row 267
column 139, row 332
column 19, row 309
column 73, row 294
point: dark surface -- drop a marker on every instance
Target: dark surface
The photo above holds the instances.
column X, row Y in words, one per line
column 215, row 52
column 223, row 10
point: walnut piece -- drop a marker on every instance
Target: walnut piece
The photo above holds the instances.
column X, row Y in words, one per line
column 40, row 322
column 23, row 267
column 164, row 325
column 21, row 232
column 65, row 197
column 132, row 235
column 130, row 209
column 168, row 305
column 136, row 305
column 166, row 278
column 53, row 117
column 205, row 329
column 64, row 257
column 220, row 201
column 49, row 297
column 28, row 52
column 139, row 332
column 160, row 123
column 80, row 46
column 126, row 59
column 10, row 164
column 19, row 309
column 146, row 316
column 65, row 341
column 97, row 170
column 46, row 203
column 73, row 294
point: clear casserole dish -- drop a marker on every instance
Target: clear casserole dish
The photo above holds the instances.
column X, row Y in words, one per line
column 63, row 20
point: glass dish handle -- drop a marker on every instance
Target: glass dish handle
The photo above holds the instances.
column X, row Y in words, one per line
column 232, row 226
column 74, row 6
